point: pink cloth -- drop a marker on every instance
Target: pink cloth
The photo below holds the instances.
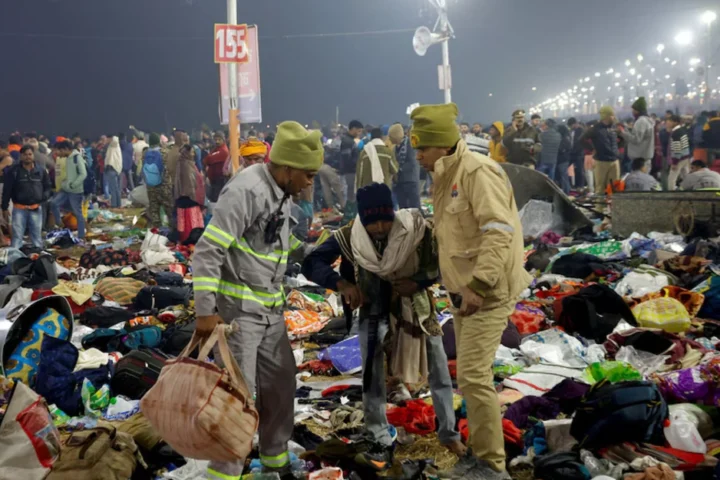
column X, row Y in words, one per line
column 187, row 220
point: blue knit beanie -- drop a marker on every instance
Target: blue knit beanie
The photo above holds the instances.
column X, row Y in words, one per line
column 374, row 203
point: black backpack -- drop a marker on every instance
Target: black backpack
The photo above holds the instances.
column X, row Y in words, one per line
column 623, row 412
column 169, row 279
column 157, row 298
column 105, row 317
column 137, row 372
column 176, row 337
column 594, row 312
column 561, row 466
column 40, row 273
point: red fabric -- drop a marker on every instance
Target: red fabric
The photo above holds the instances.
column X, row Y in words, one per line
column 336, row 388
column 560, row 290
column 528, row 318
column 415, row 416
column 76, row 309
column 215, row 162
column 452, row 366
column 511, row 433
column 464, row 430
column 187, row 220
column 317, row 367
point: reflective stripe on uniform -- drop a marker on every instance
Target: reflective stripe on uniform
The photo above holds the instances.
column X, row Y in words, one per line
column 275, row 256
column 278, row 461
column 226, row 240
column 294, row 243
column 497, row 226
column 243, row 292
column 218, row 236
column 214, row 474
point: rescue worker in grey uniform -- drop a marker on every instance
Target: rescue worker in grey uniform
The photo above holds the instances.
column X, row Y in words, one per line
column 239, row 265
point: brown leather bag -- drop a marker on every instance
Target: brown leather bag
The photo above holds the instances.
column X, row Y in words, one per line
column 200, row 409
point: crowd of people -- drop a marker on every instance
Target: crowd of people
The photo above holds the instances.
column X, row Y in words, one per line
column 51, row 183
column 373, row 177
column 643, row 153
column 595, row 155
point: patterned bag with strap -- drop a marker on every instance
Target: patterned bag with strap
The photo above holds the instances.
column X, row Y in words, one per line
column 201, row 410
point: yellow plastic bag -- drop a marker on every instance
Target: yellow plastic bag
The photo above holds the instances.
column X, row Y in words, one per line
column 665, row 313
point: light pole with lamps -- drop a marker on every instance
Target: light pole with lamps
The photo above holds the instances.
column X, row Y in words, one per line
column 708, row 18
column 682, row 39
column 442, row 32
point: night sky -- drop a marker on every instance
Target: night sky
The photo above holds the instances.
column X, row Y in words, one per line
column 96, row 66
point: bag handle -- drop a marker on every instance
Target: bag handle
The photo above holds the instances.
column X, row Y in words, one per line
column 231, row 364
column 219, row 337
column 210, row 342
column 195, row 341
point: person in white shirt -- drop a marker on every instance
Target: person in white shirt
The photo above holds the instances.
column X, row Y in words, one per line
column 139, row 146
column 700, row 177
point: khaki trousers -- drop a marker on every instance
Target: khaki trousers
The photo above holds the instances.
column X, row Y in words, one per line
column 605, row 174
column 478, row 338
column 677, row 172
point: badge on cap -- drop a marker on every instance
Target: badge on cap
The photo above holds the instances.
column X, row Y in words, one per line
column 414, row 140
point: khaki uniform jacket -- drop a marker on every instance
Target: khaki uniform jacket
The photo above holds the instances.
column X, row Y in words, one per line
column 480, row 239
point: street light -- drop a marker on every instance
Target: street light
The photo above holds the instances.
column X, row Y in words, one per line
column 640, row 57
column 684, row 38
column 708, row 17
column 627, row 63
column 442, row 33
column 660, row 48
column 694, row 61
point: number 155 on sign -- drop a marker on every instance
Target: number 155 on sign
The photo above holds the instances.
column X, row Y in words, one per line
column 230, row 43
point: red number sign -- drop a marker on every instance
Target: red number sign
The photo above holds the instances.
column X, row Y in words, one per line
column 230, row 43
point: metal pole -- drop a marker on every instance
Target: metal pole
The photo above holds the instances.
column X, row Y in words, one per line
column 234, row 113
column 706, row 97
column 446, row 69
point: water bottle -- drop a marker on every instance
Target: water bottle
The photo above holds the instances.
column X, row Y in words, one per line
column 682, row 433
column 594, row 466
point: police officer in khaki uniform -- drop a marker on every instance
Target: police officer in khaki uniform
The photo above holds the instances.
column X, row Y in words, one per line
column 480, row 245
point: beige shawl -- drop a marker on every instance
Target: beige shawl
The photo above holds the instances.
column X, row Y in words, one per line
column 399, row 261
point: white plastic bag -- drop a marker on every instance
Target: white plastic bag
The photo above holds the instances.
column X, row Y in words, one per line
column 192, row 470
column 536, row 218
column 644, row 362
column 640, row 284
column 155, row 251
column 682, row 433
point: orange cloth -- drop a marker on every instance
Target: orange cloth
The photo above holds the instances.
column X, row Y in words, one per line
column 253, row 146
column 661, row 472
column 34, row 206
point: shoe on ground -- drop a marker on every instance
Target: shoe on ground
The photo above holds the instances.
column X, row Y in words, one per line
column 483, row 471
column 377, row 457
